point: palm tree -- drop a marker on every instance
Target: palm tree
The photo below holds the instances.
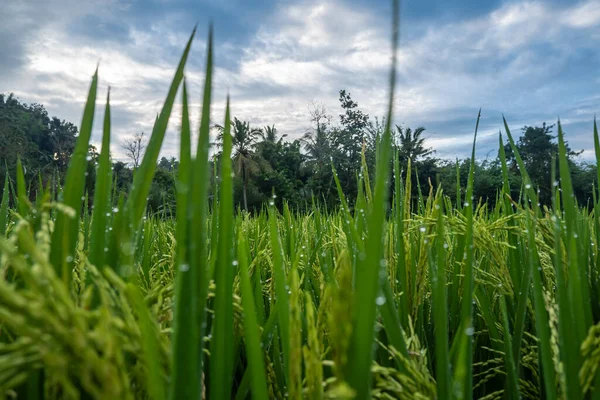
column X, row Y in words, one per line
column 411, row 145
column 269, row 134
column 246, row 161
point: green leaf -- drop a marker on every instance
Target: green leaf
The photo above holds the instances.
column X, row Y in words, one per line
column 463, row 373
column 22, row 200
column 197, row 207
column 360, row 353
column 102, row 190
column 136, row 202
column 509, row 362
column 4, row 208
column 221, row 360
column 186, row 339
column 256, row 363
column 440, row 309
column 155, row 381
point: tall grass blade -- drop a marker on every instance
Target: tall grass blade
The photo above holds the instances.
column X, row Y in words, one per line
column 256, row 364
column 155, row 380
column 186, row 339
column 142, row 180
column 197, row 207
column 4, row 207
column 64, row 236
column 463, row 373
column 102, row 190
column 221, row 359
column 360, row 353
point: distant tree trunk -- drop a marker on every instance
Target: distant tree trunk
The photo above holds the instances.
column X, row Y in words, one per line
column 244, row 193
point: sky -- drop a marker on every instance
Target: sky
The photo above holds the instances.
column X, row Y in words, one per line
column 531, row 61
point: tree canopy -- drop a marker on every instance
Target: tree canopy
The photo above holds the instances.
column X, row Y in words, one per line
column 298, row 171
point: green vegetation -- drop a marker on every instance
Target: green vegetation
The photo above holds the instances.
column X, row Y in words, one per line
column 399, row 291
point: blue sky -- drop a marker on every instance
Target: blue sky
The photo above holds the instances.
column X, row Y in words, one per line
column 532, row 61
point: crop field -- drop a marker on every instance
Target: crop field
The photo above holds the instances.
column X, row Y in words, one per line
column 387, row 296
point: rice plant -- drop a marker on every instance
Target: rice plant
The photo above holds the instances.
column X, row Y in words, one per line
column 383, row 297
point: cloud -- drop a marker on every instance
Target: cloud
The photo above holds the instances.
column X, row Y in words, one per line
column 530, row 60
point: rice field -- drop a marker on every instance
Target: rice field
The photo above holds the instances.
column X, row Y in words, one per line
column 384, row 297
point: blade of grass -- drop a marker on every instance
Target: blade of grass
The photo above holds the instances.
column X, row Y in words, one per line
column 541, row 315
column 256, row 363
column 4, row 208
column 155, row 381
column 440, row 309
column 400, row 245
column 463, row 373
column 281, row 288
column 102, row 192
column 22, row 201
column 360, row 352
column 221, row 360
column 197, row 208
column 142, row 180
column 186, row 372
column 64, row 236
column 509, row 362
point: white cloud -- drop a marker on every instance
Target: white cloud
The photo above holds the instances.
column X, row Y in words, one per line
column 311, row 49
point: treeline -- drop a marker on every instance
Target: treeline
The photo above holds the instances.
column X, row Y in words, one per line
column 267, row 167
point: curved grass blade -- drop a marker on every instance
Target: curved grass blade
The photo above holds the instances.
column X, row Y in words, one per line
column 526, row 179
column 64, row 236
column 136, row 201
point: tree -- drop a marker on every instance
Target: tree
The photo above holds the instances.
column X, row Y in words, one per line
column 411, row 145
column 168, row 164
column 537, row 148
column 348, row 142
column 134, row 148
column 269, row 134
column 315, row 139
column 43, row 144
column 246, row 161
column 123, row 177
column 317, row 144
